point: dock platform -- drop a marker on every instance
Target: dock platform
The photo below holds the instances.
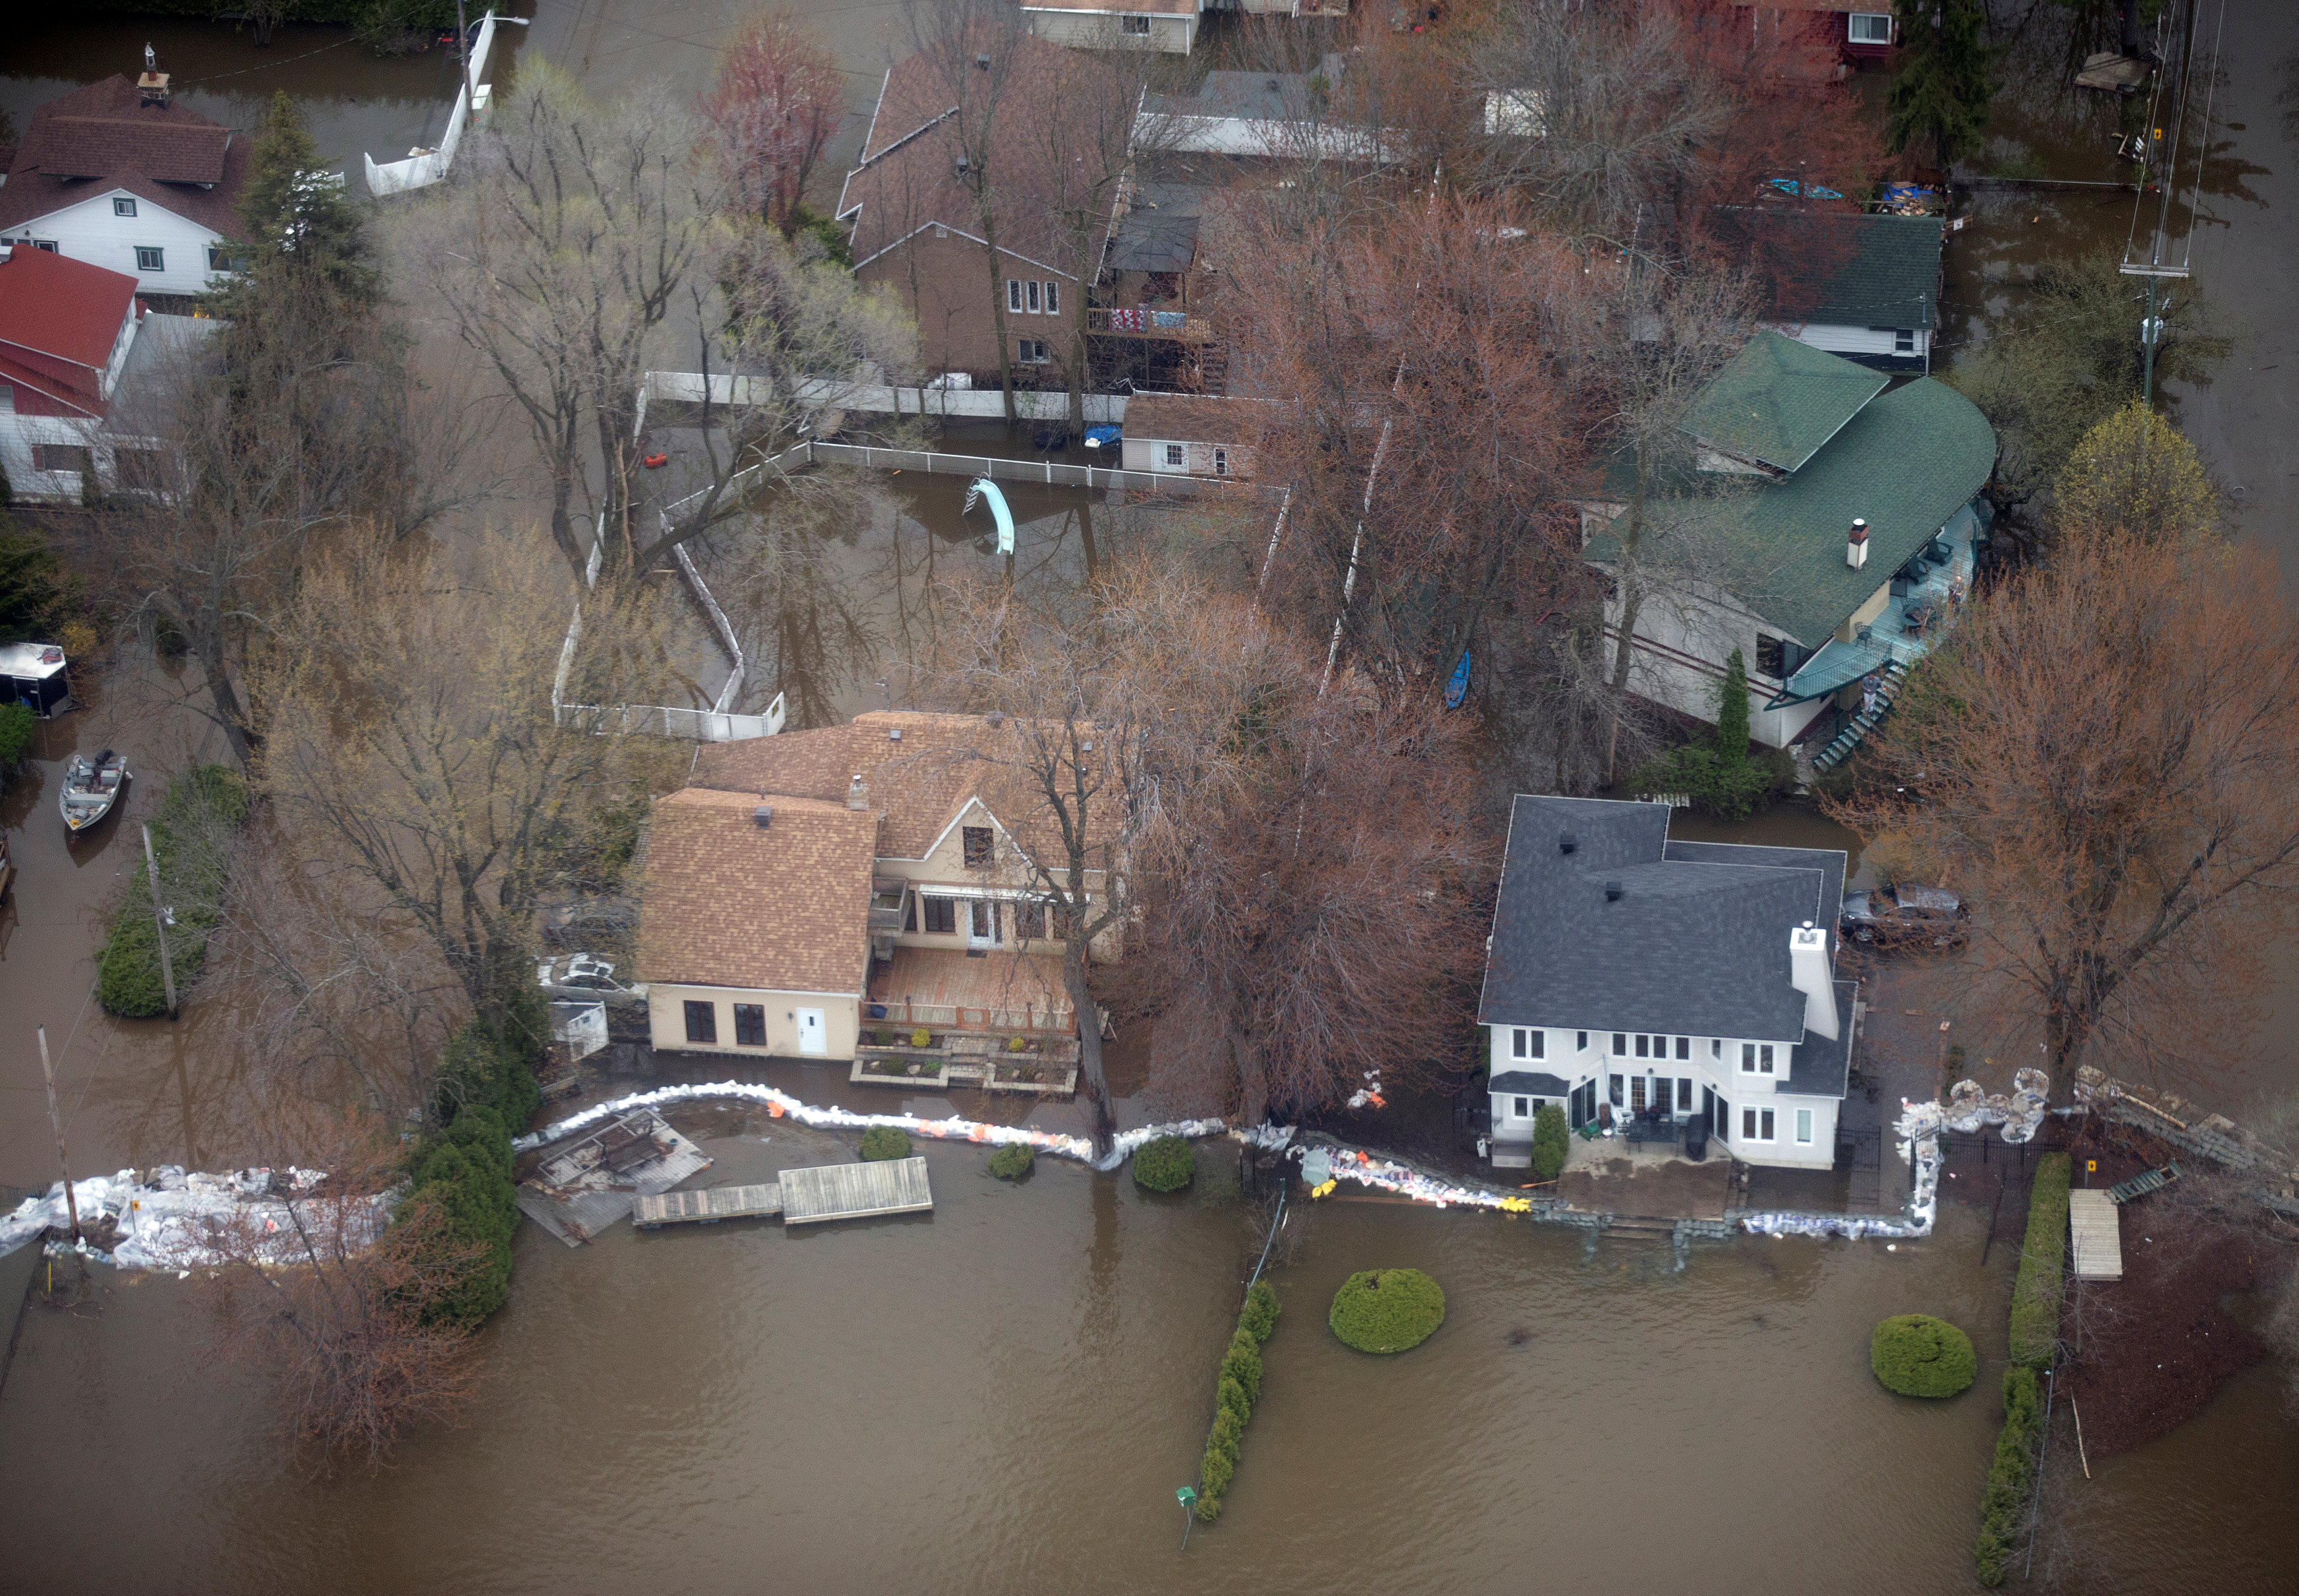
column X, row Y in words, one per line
column 801, row 1196
column 2095, row 1225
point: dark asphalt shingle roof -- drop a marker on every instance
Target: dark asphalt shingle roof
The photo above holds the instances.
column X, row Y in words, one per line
column 1779, row 402
column 1696, row 945
column 1531, row 1082
column 1818, row 1065
column 1860, row 270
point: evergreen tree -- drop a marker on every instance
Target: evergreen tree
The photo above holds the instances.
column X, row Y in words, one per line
column 1945, row 80
column 1732, row 712
column 299, row 215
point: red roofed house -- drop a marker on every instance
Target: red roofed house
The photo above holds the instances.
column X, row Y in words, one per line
column 918, row 232
column 129, row 181
column 74, row 344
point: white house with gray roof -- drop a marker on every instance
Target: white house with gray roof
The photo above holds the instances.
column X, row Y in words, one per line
column 1631, row 977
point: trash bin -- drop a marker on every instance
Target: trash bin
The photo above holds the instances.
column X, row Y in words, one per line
column 1696, row 1139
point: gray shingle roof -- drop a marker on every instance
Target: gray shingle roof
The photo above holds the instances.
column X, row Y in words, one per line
column 1778, row 401
column 1819, row 1067
column 1864, row 272
column 1532, row 1082
column 1696, row 944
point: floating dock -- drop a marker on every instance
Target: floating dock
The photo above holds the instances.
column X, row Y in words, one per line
column 801, row 1197
column 2095, row 1225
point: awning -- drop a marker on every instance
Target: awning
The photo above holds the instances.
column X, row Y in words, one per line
column 1530, row 1083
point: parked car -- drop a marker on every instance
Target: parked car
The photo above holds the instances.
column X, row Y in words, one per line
column 583, row 975
column 1904, row 916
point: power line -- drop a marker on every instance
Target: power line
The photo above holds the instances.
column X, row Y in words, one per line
column 2204, row 140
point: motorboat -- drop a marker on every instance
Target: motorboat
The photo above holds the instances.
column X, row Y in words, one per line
column 91, row 787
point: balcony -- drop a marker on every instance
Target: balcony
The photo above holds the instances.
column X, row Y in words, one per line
column 1148, row 321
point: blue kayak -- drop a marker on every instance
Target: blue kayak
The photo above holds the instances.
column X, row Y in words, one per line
column 1457, row 688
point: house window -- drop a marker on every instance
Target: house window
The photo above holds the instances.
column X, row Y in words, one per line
column 1644, row 1045
column 1803, row 1126
column 63, row 457
column 1029, row 919
column 148, row 259
column 124, row 207
column 1221, row 462
column 1618, row 1083
column 1582, row 1045
column 702, row 1021
column 1869, row 27
column 1764, row 1059
column 1034, row 290
column 1755, row 1125
column 1175, row 456
column 1053, row 299
column 1903, row 340
column 47, row 244
column 941, row 916
column 1523, row 1107
column 1014, row 296
column 1716, row 1047
column 1724, row 1120
column 1033, row 352
column 220, row 258
column 749, row 1024
column 1137, row 26
column 974, row 840
column 1777, row 657
column 1684, row 1094
column 1620, row 1044
column 7, row 399
column 1684, row 1047
column 1518, row 1045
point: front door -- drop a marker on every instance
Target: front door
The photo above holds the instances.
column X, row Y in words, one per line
column 811, row 1038
column 981, row 922
column 1637, row 1093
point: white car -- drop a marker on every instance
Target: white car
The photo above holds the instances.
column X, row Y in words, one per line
column 583, row 975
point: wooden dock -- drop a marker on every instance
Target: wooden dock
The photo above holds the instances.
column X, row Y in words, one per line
column 855, row 1191
column 708, row 1206
column 801, row 1197
column 2095, row 1224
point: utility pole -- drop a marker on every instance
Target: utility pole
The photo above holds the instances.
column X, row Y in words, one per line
column 2150, row 327
column 160, row 924
column 55, row 1122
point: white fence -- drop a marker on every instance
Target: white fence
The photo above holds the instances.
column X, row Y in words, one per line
column 423, row 168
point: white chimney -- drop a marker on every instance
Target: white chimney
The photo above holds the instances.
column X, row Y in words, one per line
column 858, row 794
column 1809, row 974
column 1855, row 547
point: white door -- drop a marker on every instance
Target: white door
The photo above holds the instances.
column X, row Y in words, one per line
column 811, row 1036
column 981, row 923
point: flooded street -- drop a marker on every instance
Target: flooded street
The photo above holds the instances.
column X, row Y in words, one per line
column 1004, row 1395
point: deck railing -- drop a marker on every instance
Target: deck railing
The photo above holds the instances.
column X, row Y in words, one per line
column 958, row 1016
column 1149, row 322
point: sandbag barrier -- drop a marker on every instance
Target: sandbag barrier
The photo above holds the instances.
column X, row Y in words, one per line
column 170, row 1220
column 782, row 1104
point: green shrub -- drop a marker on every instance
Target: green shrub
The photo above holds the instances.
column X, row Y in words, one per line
column 472, row 1188
column 1387, row 1311
column 1920, row 1355
column 1229, row 1397
column 1213, row 1482
column 2011, row 1478
column 1259, row 1319
column 1551, row 1142
column 1242, row 1363
column 1018, row 1044
column 2043, row 1255
column 1164, row 1165
column 191, row 839
column 1229, row 1431
column 1012, row 1161
column 17, row 724
column 885, row 1141
column 922, row 1037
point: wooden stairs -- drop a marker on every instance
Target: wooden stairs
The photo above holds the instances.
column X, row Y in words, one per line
column 2139, row 1186
column 1840, row 747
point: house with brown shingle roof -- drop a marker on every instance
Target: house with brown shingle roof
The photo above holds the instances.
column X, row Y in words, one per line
column 809, row 889
column 145, row 188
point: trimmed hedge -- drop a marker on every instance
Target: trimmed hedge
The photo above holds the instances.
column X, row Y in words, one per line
column 2043, row 1258
column 1387, row 1311
column 1164, row 1165
column 1012, row 1161
column 882, row 1141
column 200, row 806
column 1237, row 1387
column 1551, row 1141
column 2011, row 1478
column 1917, row 1355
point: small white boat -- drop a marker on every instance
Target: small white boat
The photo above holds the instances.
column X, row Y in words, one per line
column 91, row 787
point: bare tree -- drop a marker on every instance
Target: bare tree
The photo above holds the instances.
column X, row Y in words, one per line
column 2101, row 760
column 773, row 110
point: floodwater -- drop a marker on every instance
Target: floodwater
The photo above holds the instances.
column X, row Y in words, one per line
column 1007, row 1392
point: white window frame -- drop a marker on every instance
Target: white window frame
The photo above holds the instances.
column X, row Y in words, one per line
column 1748, row 1058
column 159, row 258
column 1620, row 1044
column 1852, row 21
column 1803, row 1126
column 1053, row 297
column 1716, row 1047
column 1221, row 461
column 1764, row 1059
column 1176, row 455
column 1033, row 352
column 1903, row 340
column 1758, row 1125
column 1013, row 295
column 1138, row 26
column 124, row 207
column 1034, row 291
column 1521, row 1109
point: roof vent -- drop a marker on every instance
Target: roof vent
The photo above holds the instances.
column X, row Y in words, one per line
column 894, row 733
column 983, row 60
column 1566, row 842
column 763, row 816
column 1612, row 891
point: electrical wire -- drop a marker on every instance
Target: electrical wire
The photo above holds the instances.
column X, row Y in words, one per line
column 2203, row 139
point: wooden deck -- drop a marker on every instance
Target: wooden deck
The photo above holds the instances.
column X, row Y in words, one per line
column 708, row 1206
column 855, row 1191
column 947, row 987
column 2095, row 1224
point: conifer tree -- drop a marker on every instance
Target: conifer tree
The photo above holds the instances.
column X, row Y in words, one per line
column 1946, row 79
column 300, row 217
column 1732, row 712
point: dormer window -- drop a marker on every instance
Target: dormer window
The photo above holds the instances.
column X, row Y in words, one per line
column 974, row 840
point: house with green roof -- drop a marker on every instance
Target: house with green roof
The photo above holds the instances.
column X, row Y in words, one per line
column 1827, row 531
column 1865, row 287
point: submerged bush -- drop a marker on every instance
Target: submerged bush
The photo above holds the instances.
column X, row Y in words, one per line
column 1387, row 1311
column 1236, row 1388
column 885, row 1141
column 1164, row 1165
column 1259, row 1318
column 1920, row 1355
column 191, row 842
column 1012, row 1161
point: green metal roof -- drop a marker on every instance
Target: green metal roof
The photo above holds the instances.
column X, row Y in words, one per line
column 1778, row 401
column 1907, row 463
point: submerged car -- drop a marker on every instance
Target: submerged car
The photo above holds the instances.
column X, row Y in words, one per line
column 1904, row 916
column 584, row 976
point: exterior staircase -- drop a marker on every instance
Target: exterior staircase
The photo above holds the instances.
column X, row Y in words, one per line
column 1841, row 746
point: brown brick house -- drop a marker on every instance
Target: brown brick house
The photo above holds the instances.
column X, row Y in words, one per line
column 808, row 886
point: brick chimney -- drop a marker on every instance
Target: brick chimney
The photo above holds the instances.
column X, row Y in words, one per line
column 1856, row 546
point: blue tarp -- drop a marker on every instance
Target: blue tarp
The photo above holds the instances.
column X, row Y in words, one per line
column 1096, row 437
